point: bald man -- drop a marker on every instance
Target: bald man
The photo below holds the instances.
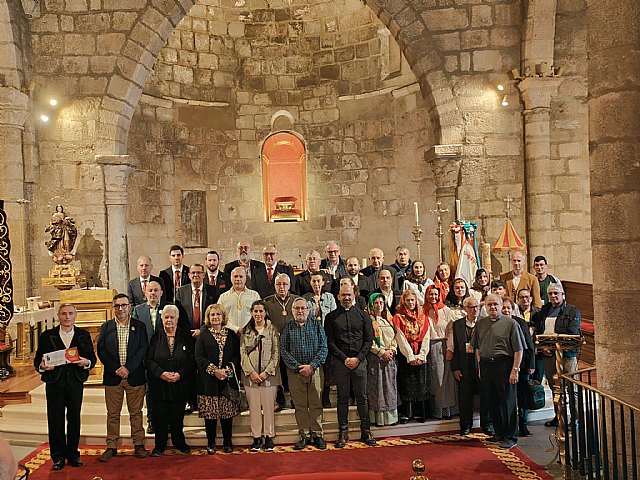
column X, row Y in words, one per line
column 138, row 286
column 243, row 250
column 519, row 279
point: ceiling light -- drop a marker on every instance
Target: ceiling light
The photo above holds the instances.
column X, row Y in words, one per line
column 53, row 102
column 44, row 118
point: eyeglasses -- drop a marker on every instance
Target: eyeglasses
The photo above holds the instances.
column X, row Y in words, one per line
column 120, row 306
column 26, row 473
column 300, row 308
column 554, row 293
column 474, row 307
column 333, row 251
column 268, row 254
column 197, row 273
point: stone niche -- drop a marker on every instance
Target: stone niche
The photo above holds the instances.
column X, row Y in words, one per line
column 209, row 105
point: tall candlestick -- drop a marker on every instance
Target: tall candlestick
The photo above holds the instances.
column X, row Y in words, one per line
column 415, row 204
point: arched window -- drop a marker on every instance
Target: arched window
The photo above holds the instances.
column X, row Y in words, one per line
column 284, row 178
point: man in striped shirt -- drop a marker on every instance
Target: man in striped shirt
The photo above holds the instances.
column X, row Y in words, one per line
column 303, row 346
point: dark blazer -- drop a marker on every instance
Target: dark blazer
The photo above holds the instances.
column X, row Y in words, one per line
column 266, row 288
column 254, row 266
column 461, row 359
column 341, row 271
column 401, row 272
column 394, row 304
column 371, row 273
column 567, row 322
column 223, row 281
column 160, row 359
column 185, row 304
column 134, row 290
column 208, row 351
column 365, row 285
column 143, row 314
column 136, row 350
column 167, row 277
column 528, row 354
column 50, row 341
column 303, row 282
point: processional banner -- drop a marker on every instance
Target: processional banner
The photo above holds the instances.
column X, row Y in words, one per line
column 6, row 285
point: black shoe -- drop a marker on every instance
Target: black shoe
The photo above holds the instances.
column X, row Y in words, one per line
column 421, row 419
column 140, row 452
column 280, row 407
column 319, row 442
column 495, row 439
column 302, row 442
column 489, row 431
column 257, row 443
column 343, row 438
column 108, row 454
column 403, row 420
column 523, row 431
column 58, row 465
column 188, row 409
column 268, row 444
column 552, row 423
column 157, row 452
column 211, row 448
column 464, row 431
column 367, row 438
column 151, row 429
column 75, row 462
column 184, row 449
column 507, row 444
column 227, row 448
column 326, row 404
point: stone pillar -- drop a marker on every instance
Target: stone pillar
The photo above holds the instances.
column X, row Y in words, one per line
column 539, row 187
column 116, row 173
column 14, row 108
column 445, row 161
column 614, row 136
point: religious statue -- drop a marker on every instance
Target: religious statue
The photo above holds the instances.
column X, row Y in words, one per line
column 63, row 236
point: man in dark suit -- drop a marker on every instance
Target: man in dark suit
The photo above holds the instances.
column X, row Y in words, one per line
column 465, row 369
column 364, row 284
column 192, row 300
column 376, row 264
column 303, row 280
column 334, row 265
column 402, row 265
column 138, row 286
column 214, row 276
column 391, row 296
column 65, row 385
column 243, row 249
column 122, row 345
column 176, row 275
column 264, row 280
column 149, row 314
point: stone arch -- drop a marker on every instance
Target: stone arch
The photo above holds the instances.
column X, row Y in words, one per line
column 153, row 28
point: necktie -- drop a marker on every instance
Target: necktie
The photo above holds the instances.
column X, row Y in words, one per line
column 270, row 274
column 212, row 280
column 196, row 309
column 176, row 280
column 144, row 286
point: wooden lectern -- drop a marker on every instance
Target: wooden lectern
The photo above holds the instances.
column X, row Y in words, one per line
column 94, row 308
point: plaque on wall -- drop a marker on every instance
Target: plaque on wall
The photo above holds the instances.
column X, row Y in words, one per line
column 193, row 210
column 284, row 178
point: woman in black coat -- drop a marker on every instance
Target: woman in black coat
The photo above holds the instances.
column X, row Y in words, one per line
column 170, row 365
column 217, row 348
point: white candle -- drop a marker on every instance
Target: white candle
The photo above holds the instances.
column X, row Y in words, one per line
column 364, row 263
column 458, row 213
column 415, row 204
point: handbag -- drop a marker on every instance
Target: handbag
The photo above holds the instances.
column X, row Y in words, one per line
column 230, row 393
column 535, row 395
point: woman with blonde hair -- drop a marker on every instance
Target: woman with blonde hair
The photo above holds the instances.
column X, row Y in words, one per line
column 217, row 355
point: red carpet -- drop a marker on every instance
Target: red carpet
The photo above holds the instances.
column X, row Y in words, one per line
column 446, row 457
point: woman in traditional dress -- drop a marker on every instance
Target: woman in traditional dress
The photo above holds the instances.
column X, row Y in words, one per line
column 442, row 279
column 217, row 348
column 320, row 304
column 481, row 286
column 444, row 395
column 170, row 366
column 382, row 368
column 412, row 336
column 260, row 359
column 459, row 291
column 417, row 281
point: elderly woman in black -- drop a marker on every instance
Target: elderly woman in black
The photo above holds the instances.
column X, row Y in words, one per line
column 170, row 364
column 217, row 349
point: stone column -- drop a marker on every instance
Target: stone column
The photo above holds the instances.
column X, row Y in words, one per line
column 116, row 170
column 539, row 187
column 614, row 136
column 445, row 161
column 14, row 109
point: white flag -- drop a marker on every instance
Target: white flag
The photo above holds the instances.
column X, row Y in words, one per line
column 467, row 263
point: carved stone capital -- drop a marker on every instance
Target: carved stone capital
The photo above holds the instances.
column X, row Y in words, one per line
column 445, row 162
column 117, row 169
column 537, row 92
column 14, row 107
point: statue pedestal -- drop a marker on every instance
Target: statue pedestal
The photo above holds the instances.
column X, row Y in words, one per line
column 94, row 308
column 62, row 277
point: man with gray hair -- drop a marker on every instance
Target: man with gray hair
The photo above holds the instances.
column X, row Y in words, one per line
column 333, row 264
column 376, row 265
column 237, row 301
column 138, row 286
column 498, row 346
column 557, row 317
column 303, row 280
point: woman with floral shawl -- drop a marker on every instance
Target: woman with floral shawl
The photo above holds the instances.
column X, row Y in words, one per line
column 444, row 394
column 382, row 368
column 412, row 335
